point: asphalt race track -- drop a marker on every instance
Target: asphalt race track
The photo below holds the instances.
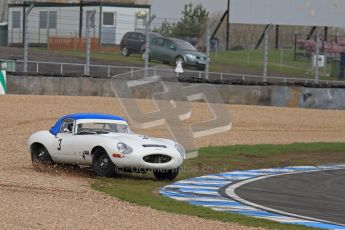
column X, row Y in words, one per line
column 319, row 195
column 312, row 196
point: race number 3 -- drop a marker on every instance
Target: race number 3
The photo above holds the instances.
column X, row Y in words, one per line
column 59, row 141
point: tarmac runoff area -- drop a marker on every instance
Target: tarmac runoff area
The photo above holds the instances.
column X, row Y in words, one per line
column 305, row 195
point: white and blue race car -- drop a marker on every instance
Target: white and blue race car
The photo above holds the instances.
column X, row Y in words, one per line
column 106, row 143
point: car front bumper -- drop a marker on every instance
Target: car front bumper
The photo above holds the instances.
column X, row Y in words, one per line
column 195, row 62
column 135, row 160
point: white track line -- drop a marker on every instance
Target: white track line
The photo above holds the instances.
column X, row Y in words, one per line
column 230, row 191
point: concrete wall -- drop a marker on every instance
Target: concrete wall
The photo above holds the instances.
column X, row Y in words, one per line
column 284, row 96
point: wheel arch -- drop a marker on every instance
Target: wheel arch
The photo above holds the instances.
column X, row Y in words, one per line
column 42, row 158
column 34, row 146
column 94, row 149
column 180, row 56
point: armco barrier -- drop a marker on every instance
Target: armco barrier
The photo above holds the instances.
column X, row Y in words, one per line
column 283, row 96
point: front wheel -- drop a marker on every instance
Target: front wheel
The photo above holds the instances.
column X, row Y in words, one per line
column 102, row 165
column 40, row 156
column 165, row 174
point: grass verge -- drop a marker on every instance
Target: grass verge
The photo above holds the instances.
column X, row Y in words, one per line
column 280, row 62
column 144, row 189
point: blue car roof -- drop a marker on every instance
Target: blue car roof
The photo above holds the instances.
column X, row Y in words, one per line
column 78, row 116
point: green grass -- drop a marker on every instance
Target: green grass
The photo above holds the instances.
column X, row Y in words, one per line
column 100, row 55
column 280, row 63
column 242, row 62
column 144, row 189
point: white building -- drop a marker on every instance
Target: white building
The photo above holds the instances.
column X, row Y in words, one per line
column 111, row 21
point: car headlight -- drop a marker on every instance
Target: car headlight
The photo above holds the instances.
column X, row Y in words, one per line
column 123, row 148
column 180, row 149
column 191, row 56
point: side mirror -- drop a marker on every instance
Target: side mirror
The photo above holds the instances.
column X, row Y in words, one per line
column 65, row 130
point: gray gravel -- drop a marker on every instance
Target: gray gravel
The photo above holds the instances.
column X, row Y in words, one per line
column 62, row 198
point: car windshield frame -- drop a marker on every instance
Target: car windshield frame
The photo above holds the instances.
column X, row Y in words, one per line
column 111, row 124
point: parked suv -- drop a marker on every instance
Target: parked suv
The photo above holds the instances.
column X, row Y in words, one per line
column 133, row 42
column 173, row 50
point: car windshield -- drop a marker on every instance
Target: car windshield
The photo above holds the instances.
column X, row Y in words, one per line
column 183, row 45
column 102, row 128
column 154, row 35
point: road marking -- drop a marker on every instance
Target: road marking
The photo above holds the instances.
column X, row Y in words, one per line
column 217, row 192
column 230, row 191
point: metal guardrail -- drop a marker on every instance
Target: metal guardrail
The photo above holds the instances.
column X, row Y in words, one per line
column 214, row 76
column 65, row 68
column 62, row 66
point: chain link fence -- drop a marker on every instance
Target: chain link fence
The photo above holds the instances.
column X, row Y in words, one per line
column 64, row 42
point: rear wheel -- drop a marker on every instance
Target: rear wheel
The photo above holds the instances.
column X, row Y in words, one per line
column 40, row 155
column 165, row 174
column 102, row 164
column 125, row 51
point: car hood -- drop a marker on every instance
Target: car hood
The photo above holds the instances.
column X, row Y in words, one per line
column 195, row 53
column 137, row 139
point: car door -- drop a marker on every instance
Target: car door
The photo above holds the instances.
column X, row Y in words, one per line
column 83, row 148
column 169, row 53
column 132, row 42
column 156, row 48
column 139, row 42
column 64, row 143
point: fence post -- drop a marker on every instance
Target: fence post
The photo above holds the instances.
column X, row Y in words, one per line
column 88, row 42
column 281, row 59
column 266, row 54
column 61, row 69
column 208, row 38
column 26, row 38
column 147, row 42
column 315, row 60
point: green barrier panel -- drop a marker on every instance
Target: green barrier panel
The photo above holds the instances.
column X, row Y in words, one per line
column 3, row 86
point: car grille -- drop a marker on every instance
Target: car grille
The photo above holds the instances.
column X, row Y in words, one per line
column 157, row 158
column 154, row 146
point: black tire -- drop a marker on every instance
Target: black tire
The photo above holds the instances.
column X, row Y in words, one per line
column 125, row 51
column 163, row 174
column 102, row 165
column 40, row 155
